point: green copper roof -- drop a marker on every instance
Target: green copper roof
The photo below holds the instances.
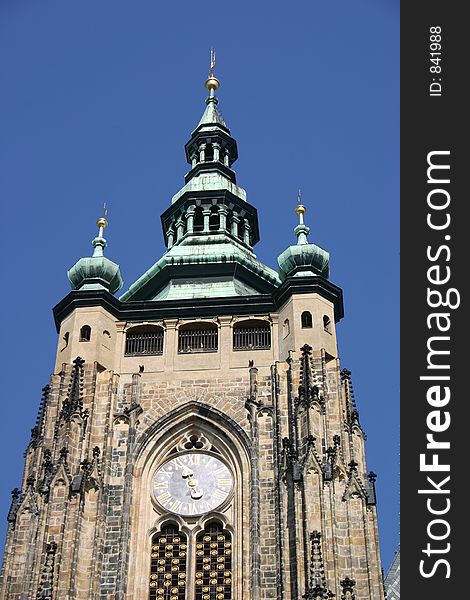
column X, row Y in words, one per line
column 304, row 259
column 205, row 182
column 203, row 262
column 200, row 287
column 211, row 115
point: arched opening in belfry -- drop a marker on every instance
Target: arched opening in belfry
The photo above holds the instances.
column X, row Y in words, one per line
column 198, row 219
column 327, row 323
column 306, row 320
column 85, row 333
column 214, row 219
column 209, row 153
column 240, row 229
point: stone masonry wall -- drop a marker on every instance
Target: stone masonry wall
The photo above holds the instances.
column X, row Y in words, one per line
column 302, row 517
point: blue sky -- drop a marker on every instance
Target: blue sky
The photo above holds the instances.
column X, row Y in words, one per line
column 97, row 102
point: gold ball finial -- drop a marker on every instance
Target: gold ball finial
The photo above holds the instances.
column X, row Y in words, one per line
column 212, row 83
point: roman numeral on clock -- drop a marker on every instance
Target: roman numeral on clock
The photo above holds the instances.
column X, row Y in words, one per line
column 175, row 506
column 160, row 485
column 163, row 498
column 219, row 495
column 221, row 470
column 192, row 509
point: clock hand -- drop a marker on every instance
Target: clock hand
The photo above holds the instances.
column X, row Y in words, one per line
column 196, row 493
column 186, row 473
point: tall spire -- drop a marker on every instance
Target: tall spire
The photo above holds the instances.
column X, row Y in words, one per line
column 211, row 148
column 209, row 229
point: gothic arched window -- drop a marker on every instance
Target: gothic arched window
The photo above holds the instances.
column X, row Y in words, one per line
column 85, row 333
column 198, row 224
column 209, row 153
column 306, row 320
column 213, row 563
column 214, row 219
column 168, row 564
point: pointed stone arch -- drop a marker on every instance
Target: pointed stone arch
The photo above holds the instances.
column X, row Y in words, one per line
column 162, row 440
column 354, row 489
column 198, row 411
column 164, row 520
column 62, row 473
column 312, row 461
column 28, row 505
column 339, row 473
column 212, row 516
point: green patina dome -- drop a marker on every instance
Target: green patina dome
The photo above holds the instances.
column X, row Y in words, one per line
column 304, row 259
column 96, row 272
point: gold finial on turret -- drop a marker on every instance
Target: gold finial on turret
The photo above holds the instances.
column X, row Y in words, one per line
column 212, row 83
column 301, row 231
column 102, row 222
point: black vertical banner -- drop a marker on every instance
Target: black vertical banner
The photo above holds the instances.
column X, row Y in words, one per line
column 435, row 259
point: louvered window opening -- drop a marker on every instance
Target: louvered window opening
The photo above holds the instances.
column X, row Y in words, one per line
column 213, row 579
column 197, row 340
column 252, row 338
column 168, row 565
column 144, row 343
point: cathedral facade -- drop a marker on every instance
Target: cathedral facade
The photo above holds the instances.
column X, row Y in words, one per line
column 199, row 439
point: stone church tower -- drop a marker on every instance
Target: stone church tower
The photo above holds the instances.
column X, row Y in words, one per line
column 198, row 439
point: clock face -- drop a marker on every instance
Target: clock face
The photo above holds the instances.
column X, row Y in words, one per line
column 192, row 483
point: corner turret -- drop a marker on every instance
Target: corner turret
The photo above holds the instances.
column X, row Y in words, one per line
column 310, row 303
